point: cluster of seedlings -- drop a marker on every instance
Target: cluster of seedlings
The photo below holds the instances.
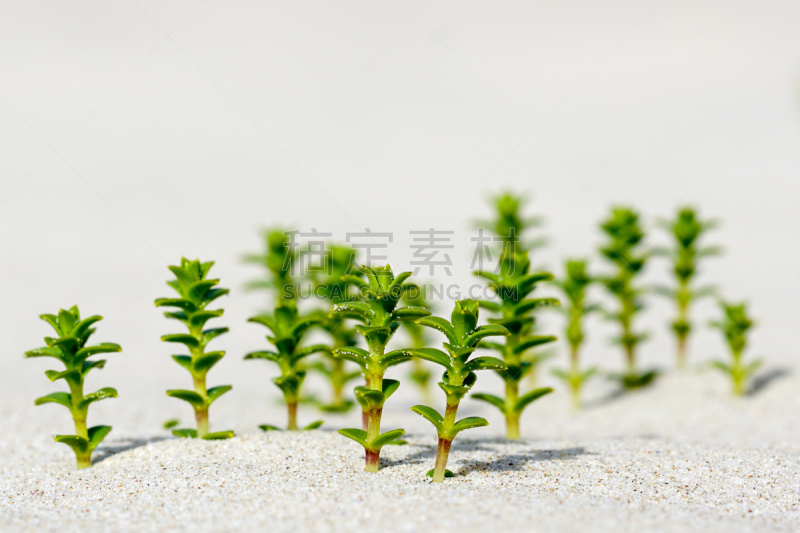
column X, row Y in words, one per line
column 360, row 308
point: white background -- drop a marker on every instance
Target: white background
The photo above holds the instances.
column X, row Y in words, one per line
column 132, row 133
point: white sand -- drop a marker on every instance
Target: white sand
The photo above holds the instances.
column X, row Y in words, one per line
column 682, row 456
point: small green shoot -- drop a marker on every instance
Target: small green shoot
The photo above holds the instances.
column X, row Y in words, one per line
column 510, row 226
column 574, row 285
column 379, row 319
column 420, row 375
column 195, row 293
column 734, row 325
column 288, row 328
column 339, row 261
column 513, row 284
column 463, row 336
column 624, row 250
column 70, row 348
column 278, row 259
column 686, row 230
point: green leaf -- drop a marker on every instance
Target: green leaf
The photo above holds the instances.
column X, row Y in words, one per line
column 485, row 331
column 215, row 392
column 169, row 424
column 199, row 289
column 532, row 396
column 90, row 365
column 69, row 375
column 410, row 313
column 184, row 360
column 358, row 435
column 430, row 414
column 492, row 346
column 66, row 322
column 97, row 434
column 722, row 366
column 209, row 334
column 441, row 324
column 466, row 423
column 185, row 433
column 355, row 280
column 201, row 317
column 45, row 352
column 492, row 399
column 484, row 363
column 82, row 327
column 106, row 347
column 267, row 427
column 352, row 353
column 68, row 344
column 102, row 394
column 353, row 310
column 389, row 386
column 530, row 342
column 313, row 425
column 433, row 355
column 384, row 438
column 62, row 398
column 312, row 349
column 264, row 354
column 52, row 320
column 395, row 357
column 219, row 435
column 182, row 338
column 186, row 305
column 78, row 444
column 370, row 398
column 447, row 473
column 207, row 360
column 188, row 396
column 525, row 306
column 494, row 307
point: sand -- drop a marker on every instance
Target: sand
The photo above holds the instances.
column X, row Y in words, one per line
column 681, row 456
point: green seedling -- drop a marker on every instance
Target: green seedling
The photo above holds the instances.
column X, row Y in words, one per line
column 686, row 229
column 463, row 335
column 288, row 328
column 277, row 260
column 513, row 284
column 70, row 348
column 509, row 225
column 735, row 325
column 339, row 262
column 419, row 374
column 574, row 284
column 195, row 293
column 379, row 319
column 624, row 250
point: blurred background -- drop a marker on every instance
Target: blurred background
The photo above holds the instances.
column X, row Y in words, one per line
column 133, row 133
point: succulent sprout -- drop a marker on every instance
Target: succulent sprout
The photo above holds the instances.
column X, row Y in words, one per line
column 379, row 318
column 70, row 348
column 288, row 328
column 513, row 283
column 574, row 284
column 686, row 230
column 625, row 250
column 463, row 336
column 734, row 325
column 195, row 293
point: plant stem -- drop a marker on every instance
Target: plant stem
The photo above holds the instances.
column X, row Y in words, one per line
column 374, row 382
column 443, row 450
column 83, row 459
column 512, row 417
column 201, row 413
column 575, row 378
column 682, row 352
column 292, row 412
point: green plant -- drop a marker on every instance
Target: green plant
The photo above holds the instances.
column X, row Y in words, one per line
column 379, row 319
column 625, row 250
column 734, row 325
column 574, row 284
column 277, row 260
column 70, row 348
column 686, row 229
column 513, row 284
column 419, row 374
column 463, row 335
column 509, row 225
column 195, row 293
column 339, row 261
column 288, row 329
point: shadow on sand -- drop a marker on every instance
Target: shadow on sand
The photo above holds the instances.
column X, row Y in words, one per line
column 764, row 379
column 123, row 445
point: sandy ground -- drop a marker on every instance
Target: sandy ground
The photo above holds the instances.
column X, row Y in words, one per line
column 681, row 456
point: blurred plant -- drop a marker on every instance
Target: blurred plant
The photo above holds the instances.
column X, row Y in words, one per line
column 288, row 329
column 463, row 335
column 278, row 260
column 195, row 294
column 624, row 249
column 686, row 229
column 513, row 284
column 70, row 348
column 419, row 374
column 509, row 225
column 735, row 325
column 328, row 284
column 574, row 284
column 380, row 317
